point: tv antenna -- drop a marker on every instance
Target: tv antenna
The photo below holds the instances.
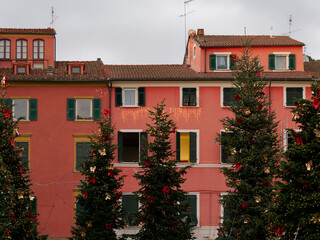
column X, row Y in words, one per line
column 53, row 17
column 185, row 19
column 290, row 23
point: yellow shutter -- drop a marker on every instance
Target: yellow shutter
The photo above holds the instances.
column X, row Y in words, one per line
column 184, row 147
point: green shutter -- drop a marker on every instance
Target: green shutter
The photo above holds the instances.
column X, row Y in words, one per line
column 8, row 102
column 118, row 96
column 143, row 144
column 193, row 147
column 232, row 63
column 226, row 214
column 24, row 154
column 34, row 205
column 212, row 60
column 96, row 102
column 292, row 61
column 192, row 97
column 228, row 94
column 185, row 96
column 292, row 95
column 130, row 207
column 272, row 61
column 71, row 109
column 192, row 213
column 178, row 146
column 33, row 109
column 82, row 152
column 141, row 97
column 120, row 146
column 225, row 153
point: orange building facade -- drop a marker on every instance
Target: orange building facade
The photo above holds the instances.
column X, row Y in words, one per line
column 62, row 101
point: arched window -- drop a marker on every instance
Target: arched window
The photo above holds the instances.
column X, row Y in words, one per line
column 4, row 49
column 22, row 48
column 38, row 49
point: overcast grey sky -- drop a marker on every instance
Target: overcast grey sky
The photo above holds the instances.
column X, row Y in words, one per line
column 151, row 31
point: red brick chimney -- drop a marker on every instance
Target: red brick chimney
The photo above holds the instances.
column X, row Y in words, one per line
column 200, row 31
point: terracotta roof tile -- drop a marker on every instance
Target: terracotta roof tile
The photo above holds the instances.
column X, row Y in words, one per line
column 184, row 73
column 238, row 40
column 48, row 31
column 93, row 70
column 313, row 68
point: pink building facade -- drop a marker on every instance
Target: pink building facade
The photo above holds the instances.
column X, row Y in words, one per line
column 67, row 98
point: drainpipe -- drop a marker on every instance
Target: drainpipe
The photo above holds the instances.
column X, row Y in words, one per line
column 109, row 85
column 270, row 97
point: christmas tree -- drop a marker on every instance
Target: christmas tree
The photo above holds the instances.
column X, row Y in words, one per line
column 162, row 214
column 98, row 212
column 18, row 220
column 251, row 141
column 296, row 213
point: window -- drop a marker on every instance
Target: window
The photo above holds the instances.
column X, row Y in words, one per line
column 282, row 61
column 130, row 97
column 292, row 94
column 225, row 153
column 5, row 49
column 187, row 144
column 289, row 138
column 130, row 206
column 23, row 142
column 131, row 146
column 22, row 48
column 224, row 212
column 189, row 97
column 222, row 61
column 83, row 109
column 21, row 70
column 192, row 213
column 38, row 65
column 227, row 96
column 27, row 109
column 76, row 70
column 82, row 150
column 38, row 49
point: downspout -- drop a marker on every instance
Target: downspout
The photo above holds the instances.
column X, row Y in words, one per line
column 205, row 60
column 109, row 85
column 270, row 97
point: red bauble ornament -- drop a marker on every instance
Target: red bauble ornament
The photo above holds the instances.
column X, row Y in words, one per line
column 7, row 113
column 85, row 195
column 148, row 164
column 111, row 173
column 238, row 165
column 149, row 199
column 260, row 107
column 108, row 226
column 237, row 97
column 21, row 169
column 239, row 120
column 265, row 183
column 12, row 142
column 316, row 103
column 106, row 112
column 166, row 189
column 244, row 206
column 92, row 179
column 258, row 73
column 298, row 139
column 159, row 112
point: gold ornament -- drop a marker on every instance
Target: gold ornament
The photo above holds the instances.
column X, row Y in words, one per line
column 315, row 219
column 257, row 199
column 31, row 198
column 110, row 168
column 108, row 197
column 237, row 182
column 93, row 169
column 246, row 111
column 294, row 116
column 227, row 128
column 309, row 165
column 102, row 152
column 126, row 224
column 246, row 220
column 265, row 158
column 89, row 224
column 266, row 170
column 20, row 196
column 16, row 132
column 83, row 234
column 317, row 132
column 233, row 151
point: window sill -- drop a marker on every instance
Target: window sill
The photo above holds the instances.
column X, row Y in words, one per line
column 135, row 106
column 126, row 164
column 23, row 121
column 183, row 164
column 222, row 70
column 84, row 121
column 281, row 70
column 189, row 106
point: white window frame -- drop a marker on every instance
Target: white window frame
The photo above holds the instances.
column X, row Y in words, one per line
column 221, row 206
column 197, row 131
column 194, row 51
column 285, row 95
column 28, row 106
column 281, row 54
column 222, row 97
column 285, row 138
column 197, row 96
column 222, row 54
column 136, row 97
column 133, row 131
column 91, row 109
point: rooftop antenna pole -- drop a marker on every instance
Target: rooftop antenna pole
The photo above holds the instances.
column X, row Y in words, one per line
column 185, row 20
column 245, row 31
column 290, row 23
column 53, row 17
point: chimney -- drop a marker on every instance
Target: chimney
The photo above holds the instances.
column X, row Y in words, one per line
column 200, row 31
column 271, row 33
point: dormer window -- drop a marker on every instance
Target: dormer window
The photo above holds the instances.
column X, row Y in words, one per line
column 76, row 68
column 38, row 49
column 22, row 48
column 21, row 69
column 4, row 49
